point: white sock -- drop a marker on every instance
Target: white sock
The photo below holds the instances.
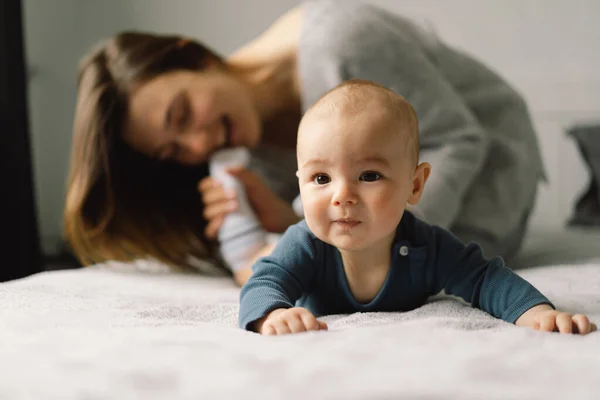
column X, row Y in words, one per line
column 241, row 234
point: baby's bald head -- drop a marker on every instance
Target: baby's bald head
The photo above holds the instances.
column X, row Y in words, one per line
column 357, row 96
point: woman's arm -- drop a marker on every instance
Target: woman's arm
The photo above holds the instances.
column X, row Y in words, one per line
column 451, row 139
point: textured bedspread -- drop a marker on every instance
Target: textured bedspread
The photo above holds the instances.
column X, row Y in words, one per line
column 109, row 333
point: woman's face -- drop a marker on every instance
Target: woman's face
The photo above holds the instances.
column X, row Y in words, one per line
column 185, row 116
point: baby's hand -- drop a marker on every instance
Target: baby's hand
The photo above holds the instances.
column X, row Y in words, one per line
column 545, row 318
column 289, row 320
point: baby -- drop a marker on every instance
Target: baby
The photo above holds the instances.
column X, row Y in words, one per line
column 358, row 250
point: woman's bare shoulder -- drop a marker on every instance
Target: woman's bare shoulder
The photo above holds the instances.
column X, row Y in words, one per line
column 280, row 37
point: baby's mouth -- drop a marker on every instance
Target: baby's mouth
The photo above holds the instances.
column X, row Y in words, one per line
column 347, row 222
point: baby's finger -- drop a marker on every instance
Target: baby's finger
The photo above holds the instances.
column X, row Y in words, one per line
column 582, row 324
column 281, row 327
column 212, row 229
column 219, row 209
column 268, row 330
column 295, row 324
column 547, row 323
column 564, row 323
column 322, row 325
column 535, row 323
column 310, row 322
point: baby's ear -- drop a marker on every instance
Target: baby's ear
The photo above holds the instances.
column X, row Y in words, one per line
column 418, row 184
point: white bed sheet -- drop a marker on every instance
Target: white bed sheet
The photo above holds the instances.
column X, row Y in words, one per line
column 110, row 332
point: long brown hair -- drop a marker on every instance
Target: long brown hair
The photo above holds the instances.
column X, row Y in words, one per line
column 121, row 205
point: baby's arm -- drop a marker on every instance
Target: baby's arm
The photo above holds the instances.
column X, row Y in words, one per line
column 545, row 318
column 267, row 300
column 491, row 286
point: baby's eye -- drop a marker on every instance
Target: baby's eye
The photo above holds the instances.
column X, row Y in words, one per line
column 321, row 179
column 370, row 176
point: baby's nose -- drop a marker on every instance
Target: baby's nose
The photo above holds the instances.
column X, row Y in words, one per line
column 344, row 195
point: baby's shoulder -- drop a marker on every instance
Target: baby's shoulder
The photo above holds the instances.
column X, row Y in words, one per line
column 300, row 234
column 422, row 234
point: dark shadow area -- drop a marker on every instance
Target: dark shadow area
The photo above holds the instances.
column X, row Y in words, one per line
column 20, row 243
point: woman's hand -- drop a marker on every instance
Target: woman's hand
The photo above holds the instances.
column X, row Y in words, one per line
column 545, row 318
column 218, row 202
column 274, row 214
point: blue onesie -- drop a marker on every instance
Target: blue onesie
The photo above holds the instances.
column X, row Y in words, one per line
column 306, row 272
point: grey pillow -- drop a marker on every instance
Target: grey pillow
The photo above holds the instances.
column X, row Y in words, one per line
column 587, row 207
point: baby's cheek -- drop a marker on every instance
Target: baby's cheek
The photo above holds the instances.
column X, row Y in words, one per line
column 314, row 213
column 389, row 208
column 317, row 226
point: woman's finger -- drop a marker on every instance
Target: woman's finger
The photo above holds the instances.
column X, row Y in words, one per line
column 206, row 183
column 564, row 323
column 322, row 325
column 219, row 209
column 249, row 179
column 212, row 229
column 217, row 194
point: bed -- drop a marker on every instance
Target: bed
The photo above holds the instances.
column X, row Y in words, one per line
column 135, row 331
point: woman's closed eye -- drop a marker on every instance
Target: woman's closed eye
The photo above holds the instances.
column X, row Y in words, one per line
column 321, row 179
column 183, row 114
column 370, row 176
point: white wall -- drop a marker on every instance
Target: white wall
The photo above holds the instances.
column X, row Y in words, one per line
column 547, row 48
column 52, row 48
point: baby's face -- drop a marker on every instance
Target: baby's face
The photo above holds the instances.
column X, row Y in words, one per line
column 355, row 175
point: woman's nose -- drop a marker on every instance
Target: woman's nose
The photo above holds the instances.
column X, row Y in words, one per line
column 344, row 195
column 202, row 140
column 196, row 144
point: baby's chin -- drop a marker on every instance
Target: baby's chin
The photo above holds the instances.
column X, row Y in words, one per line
column 346, row 242
column 353, row 241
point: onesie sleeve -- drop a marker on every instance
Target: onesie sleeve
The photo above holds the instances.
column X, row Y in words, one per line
column 280, row 279
column 486, row 284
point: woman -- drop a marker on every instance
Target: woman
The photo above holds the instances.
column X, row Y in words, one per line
column 152, row 109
